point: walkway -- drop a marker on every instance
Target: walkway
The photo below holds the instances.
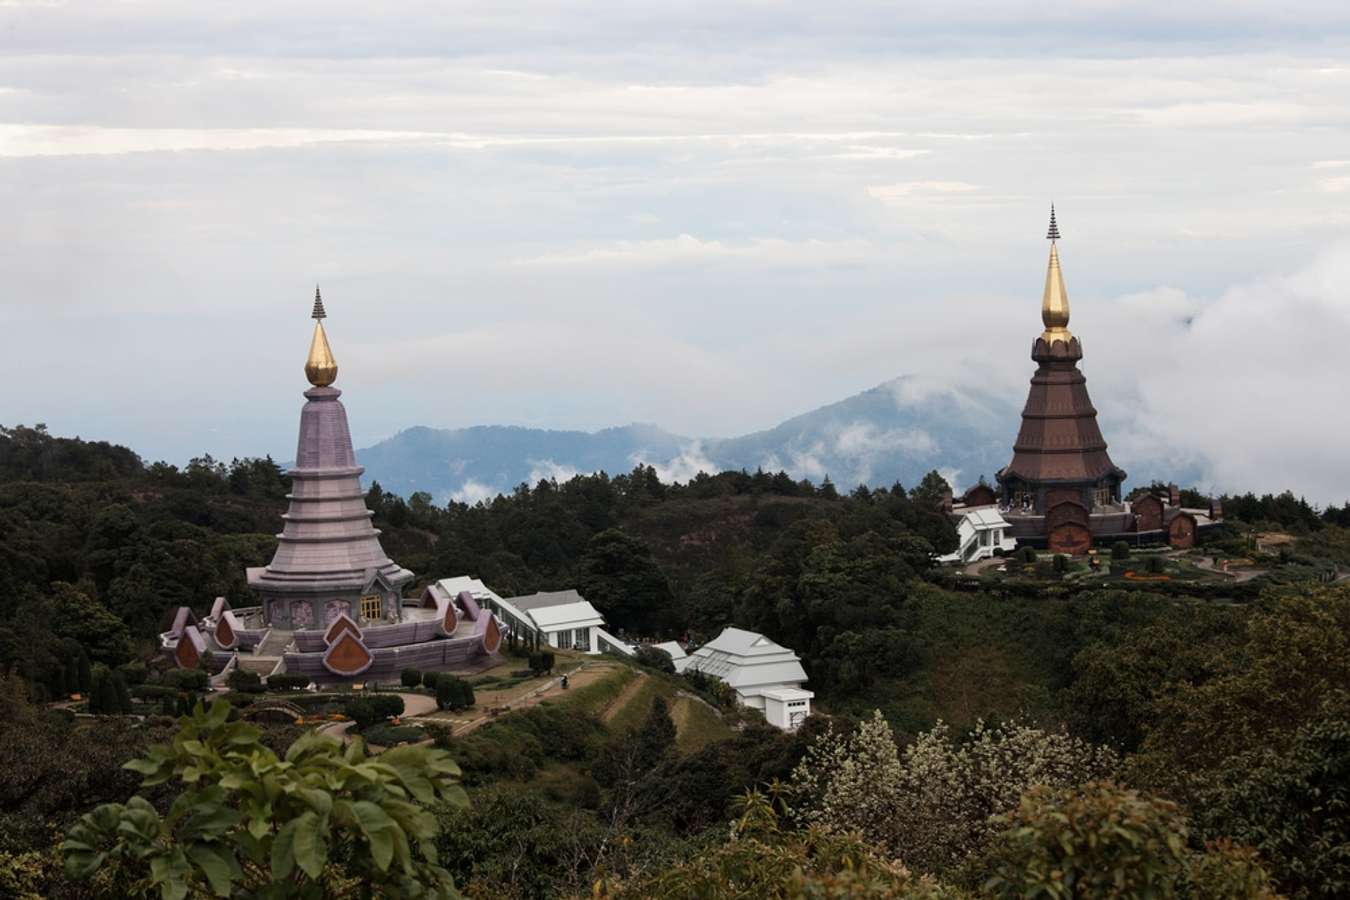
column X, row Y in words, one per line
column 1238, row 575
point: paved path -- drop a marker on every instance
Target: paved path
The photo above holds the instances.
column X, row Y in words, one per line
column 1238, row 575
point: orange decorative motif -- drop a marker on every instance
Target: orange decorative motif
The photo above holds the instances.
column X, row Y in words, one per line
column 342, row 623
column 347, row 656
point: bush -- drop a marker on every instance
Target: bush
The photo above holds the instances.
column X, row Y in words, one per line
column 391, row 735
column 1061, row 563
column 245, row 682
column 1026, row 555
column 1100, row 840
column 134, row 672
column 1155, row 565
column 445, row 694
column 410, row 678
column 386, row 705
column 187, row 679
column 1120, row 550
column 654, row 658
column 152, row 691
column 430, row 680
column 454, row 693
column 362, row 712
column 284, row 681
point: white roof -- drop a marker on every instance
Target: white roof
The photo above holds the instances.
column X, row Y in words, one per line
column 749, row 662
column 783, row 695
column 464, row 583
column 985, row 517
column 671, row 647
column 578, row 613
column 571, row 615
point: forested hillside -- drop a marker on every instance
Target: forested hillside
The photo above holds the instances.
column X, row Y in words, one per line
column 1210, row 724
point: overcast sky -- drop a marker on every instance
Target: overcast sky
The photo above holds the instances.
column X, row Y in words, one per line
column 710, row 216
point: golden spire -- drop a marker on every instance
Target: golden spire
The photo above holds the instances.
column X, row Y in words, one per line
column 320, row 368
column 1055, row 300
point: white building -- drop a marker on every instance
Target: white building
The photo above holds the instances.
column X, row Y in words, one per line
column 980, row 532
column 676, row 654
column 766, row 676
column 565, row 619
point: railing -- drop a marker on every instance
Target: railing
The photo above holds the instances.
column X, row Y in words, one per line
column 221, row 678
column 608, row 643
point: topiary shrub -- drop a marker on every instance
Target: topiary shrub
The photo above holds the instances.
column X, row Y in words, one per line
column 187, row 679
column 363, row 713
column 245, row 682
column 410, row 678
column 1026, row 556
column 1155, row 565
column 285, row 681
column 1061, row 563
column 430, row 680
column 445, row 694
column 386, row 705
column 1120, row 550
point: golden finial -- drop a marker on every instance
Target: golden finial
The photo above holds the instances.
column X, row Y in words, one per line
column 1055, row 300
column 320, row 368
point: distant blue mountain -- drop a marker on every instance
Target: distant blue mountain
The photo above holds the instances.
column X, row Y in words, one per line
column 897, row 431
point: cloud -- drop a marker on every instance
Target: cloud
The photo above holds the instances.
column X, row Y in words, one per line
column 712, row 217
column 474, row 492
column 682, row 468
column 686, row 248
column 541, row 469
column 1338, row 185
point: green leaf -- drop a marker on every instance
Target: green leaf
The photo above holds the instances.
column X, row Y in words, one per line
column 376, row 825
column 81, row 863
column 311, row 851
column 142, row 766
column 283, row 852
column 219, row 873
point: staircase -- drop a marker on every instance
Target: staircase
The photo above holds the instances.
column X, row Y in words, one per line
column 273, row 645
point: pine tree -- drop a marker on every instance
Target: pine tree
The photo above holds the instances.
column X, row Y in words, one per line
column 106, row 695
column 86, row 677
column 121, row 693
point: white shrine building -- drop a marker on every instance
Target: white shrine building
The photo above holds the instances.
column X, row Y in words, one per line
column 765, row 676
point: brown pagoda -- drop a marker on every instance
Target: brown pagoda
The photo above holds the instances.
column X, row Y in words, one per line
column 1061, row 485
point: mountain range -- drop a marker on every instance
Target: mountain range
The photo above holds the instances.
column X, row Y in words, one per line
column 897, row 431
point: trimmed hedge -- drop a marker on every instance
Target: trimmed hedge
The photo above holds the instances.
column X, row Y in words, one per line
column 245, row 681
column 151, row 691
column 287, row 682
column 187, row 679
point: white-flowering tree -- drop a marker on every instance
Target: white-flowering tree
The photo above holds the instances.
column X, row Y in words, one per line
column 932, row 805
column 849, row 782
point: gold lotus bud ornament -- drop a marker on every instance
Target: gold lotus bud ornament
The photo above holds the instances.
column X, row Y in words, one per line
column 321, row 369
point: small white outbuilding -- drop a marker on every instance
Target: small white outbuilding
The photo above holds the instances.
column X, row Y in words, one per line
column 766, row 676
column 981, row 533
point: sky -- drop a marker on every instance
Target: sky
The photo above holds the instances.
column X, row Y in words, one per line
column 708, row 215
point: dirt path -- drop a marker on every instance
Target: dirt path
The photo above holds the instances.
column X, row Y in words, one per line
column 584, row 674
column 625, row 697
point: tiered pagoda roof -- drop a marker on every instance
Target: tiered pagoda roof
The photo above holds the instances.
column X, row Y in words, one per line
column 328, row 543
column 1059, row 441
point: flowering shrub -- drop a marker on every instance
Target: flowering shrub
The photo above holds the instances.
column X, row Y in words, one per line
column 933, row 804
